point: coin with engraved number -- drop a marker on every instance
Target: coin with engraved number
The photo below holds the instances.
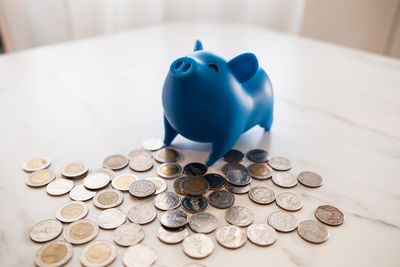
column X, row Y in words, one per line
column 279, row 163
column 329, row 215
column 72, row 211
column 167, row 155
column 261, row 234
column 233, row 166
column 142, row 213
column 46, row 230
column 198, row 246
column 233, row 155
column 171, row 237
column 258, row 155
column 195, row 186
column 108, row 198
column 80, row 193
column 238, row 189
column 259, row 171
column 231, row 236
column 59, row 187
column 177, row 184
column 80, row 232
column 194, row 204
column 195, row 169
column 111, row 218
column 169, row 170
column 221, row 199
column 128, row 234
column 98, row 254
column 142, row 188
column 139, row 255
column 40, row 178
column 215, row 181
column 289, row 201
column 115, row 162
column 139, row 152
column 141, row 163
column 312, row 231
column 75, row 169
column 284, row 179
column 161, row 184
column 36, row 164
column 174, row 219
column 262, row 195
column 239, row 216
column 167, row 201
column 282, row 221
column 123, row 181
column 54, row 254
column 310, row 179
column 238, row 178
column 97, row 179
column 152, row 144
column 203, row 222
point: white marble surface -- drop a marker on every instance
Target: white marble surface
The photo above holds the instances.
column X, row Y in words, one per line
column 337, row 113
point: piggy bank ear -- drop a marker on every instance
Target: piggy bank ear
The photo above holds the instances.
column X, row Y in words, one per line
column 244, row 66
column 198, row 46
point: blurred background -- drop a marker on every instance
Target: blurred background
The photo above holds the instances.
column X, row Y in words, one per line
column 370, row 25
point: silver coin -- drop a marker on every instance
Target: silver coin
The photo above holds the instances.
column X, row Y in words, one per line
column 262, row 195
column 215, row 181
column 282, row 221
column 142, row 188
column 80, row 193
column 260, row 171
column 284, row 179
column 289, row 201
column 177, row 185
column 98, row 179
column 231, row 236
column 198, row 246
column 111, row 218
column 233, row 155
column 40, row 178
column 238, row 189
column 142, row 213
column 258, row 155
column 139, row 255
column 108, row 198
column 239, row 216
column 195, row 169
column 310, row 179
column 238, row 178
column 233, row 166
column 221, row 199
column 167, row 155
column 36, row 164
column 174, row 219
column 141, row 163
column 203, row 222
column 329, row 215
column 169, row 170
column 261, row 234
column 75, row 169
column 171, row 237
column 46, row 230
column 98, row 254
column 194, row 204
column 80, row 232
column 59, row 187
column 115, row 162
column 139, row 152
column 167, row 201
column 128, row 234
column 53, row 254
column 161, row 184
column 72, row 211
column 279, row 163
column 312, row 231
column 152, row 144
column 123, row 181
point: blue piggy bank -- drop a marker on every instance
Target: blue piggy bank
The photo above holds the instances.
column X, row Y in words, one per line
column 208, row 99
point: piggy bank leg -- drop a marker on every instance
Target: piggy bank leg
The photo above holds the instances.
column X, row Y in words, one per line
column 221, row 147
column 169, row 132
column 267, row 123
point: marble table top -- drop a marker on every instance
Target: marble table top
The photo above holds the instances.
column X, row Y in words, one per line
column 337, row 113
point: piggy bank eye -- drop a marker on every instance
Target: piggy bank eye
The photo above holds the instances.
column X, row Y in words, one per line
column 212, row 65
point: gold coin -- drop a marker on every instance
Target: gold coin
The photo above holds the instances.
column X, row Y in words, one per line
column 53, row 254
column 81, row 232
column 260, row 171
column 40, row 178
column 36, row 164
column 99, row 253
column 123, row 181
column 72, row 211
column 108, row 198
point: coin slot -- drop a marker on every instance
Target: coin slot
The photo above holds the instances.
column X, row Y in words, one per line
column 212, row 65
column 187, row 67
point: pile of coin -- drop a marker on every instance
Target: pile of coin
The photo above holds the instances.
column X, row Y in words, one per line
column 195, row 188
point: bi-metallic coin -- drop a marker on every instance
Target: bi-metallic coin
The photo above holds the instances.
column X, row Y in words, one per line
column 108, row 198
column 75, row 169
column 72, row 211
column 195, row 186
column 36, row 164
column 98, row 254
column 259, row 171
column 54, row 254
column 122, row 182
column 40, row 178
column 80, row 232
column 115, row 162
column 141, row 163
column 169, row 170
column 167, row 155
column 161, row 184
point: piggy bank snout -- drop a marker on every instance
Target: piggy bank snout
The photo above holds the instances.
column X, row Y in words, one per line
column 183, row 67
